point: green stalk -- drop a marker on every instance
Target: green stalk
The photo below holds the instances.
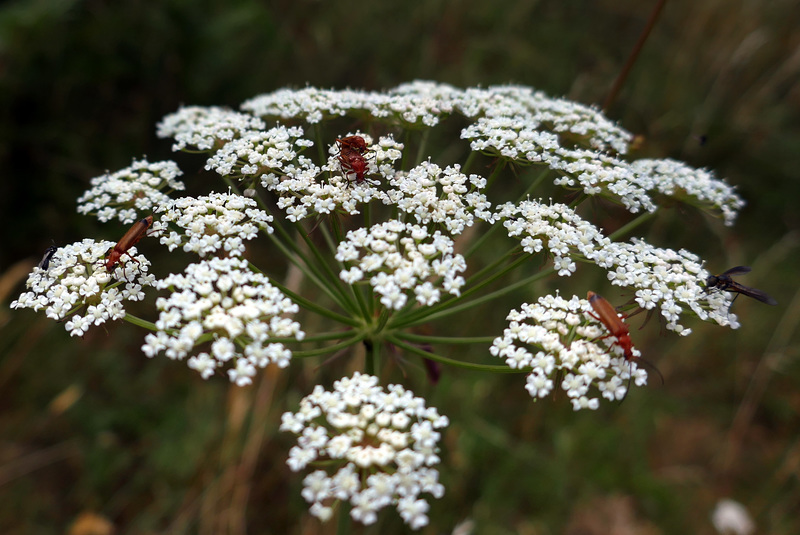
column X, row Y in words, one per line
column 426, row 339
column 320, row 144
column 332, row 277
column 451, row 362
column 501, row 164
column 372, row 352
column 497, row 226
column 632, row 225
column 139, row 322
column 328, row 349
column 488, row 297
column 311, row 305
column 324, row 337
column 423, row 143
column 470, row 160
column 296, row 257
column 421, row 314
column 354, row 291
column 306, row 266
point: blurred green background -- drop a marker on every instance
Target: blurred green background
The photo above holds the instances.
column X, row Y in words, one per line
column 94, row 438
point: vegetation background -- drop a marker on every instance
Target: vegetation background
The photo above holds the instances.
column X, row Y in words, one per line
column 94, row 435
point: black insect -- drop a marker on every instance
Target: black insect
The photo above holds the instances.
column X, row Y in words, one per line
column 44, row 263
column 725, row 283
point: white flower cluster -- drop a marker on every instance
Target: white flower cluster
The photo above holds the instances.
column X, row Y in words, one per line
column 130, row 191
column 380, row 161
column 222, row 302
column 513, row 122
column 672, row 280
column 555, row 228
column 399, row 258
column 572, row 121
column 446, row 197
column 203, row 129
column 310, row 103
column 77, row 277
column 263, row 153
column 666, row 278
column 566, row 340
column 522, row 139
column 381, row 444
column 301, row 195
column 219, row 221
column 698, row 186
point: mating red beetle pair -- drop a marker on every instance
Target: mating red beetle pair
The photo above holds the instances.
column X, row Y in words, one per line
column 351, row 156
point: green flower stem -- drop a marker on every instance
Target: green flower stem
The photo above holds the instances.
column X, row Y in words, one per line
column 305, row 265
column 468, row 163
column 425, row 339
column 295, row 255
column 491, row 267
column 367, row 215
column 477, row 244
column 497, row 226
column 647, row 216
column 578, row 200
column 320, row 144
column 344, row 524
column 406, row 141
column 534, row 184
column 500, row 164
column 445, row 311
column 424, row 314
column 139, row 322
column 372, row 353
column 310, row 305
column 332, row 277
column 488, row 297
column 329, row 349
column 423, row 144
column 324, row 337
column 353, row 292
column 457, row 363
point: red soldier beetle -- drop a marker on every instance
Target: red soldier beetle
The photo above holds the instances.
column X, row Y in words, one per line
column 351, row 159
column 607, row 315
column 128, row 240
column 356, row 143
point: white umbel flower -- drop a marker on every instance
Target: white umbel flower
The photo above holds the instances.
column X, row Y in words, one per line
column 129, row 192
column 215, row 222
column 555, row 337
column 379, row 446
column 222, row 301
column 402, row 260
column 76, row 278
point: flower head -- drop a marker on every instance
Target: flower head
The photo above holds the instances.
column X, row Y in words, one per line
column 558, row 337
column 200, row 128
column 77, row 278
column 215, row 222
column 131, row 191
column 399, row 259
column 238, row 312
column 379, row 444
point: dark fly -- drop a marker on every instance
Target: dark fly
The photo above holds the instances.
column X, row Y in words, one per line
column 725, row 283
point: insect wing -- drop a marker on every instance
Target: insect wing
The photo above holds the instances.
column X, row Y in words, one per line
column 751, row 292
column 738, row 270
